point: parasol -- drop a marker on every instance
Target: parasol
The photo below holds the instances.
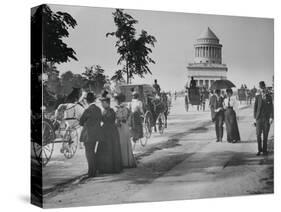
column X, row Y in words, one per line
column 222, row 84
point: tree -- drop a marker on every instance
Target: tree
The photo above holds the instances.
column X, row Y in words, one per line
column 96, row 77
column 118, row 76
column 134, row 51
column 47, row 31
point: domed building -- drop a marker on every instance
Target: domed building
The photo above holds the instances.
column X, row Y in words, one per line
column 207, row 66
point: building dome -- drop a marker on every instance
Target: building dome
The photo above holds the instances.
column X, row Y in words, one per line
column 208, row 34
column 208, row 48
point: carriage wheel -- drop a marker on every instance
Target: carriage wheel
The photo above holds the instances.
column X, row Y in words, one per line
column 186, row 104
column 160, row 123
column 147, row 125
column 70, row 143
column 43, row 151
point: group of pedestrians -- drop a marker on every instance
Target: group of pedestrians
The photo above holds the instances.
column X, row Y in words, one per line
column 224, row 109
column 106, row 135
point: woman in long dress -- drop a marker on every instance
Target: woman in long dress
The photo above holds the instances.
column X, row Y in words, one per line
column 109, row 151
column 122, row 121
column 136, row 108
column 230, row 114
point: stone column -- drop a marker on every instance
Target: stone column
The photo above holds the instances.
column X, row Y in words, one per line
column 205, row 51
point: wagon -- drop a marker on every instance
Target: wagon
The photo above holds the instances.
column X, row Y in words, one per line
column 192, row 97
column 146, row 95
column 52, row 133
column 242, row 94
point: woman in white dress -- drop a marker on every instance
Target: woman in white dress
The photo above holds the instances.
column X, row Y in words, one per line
column 122, row 121
column 230, row 115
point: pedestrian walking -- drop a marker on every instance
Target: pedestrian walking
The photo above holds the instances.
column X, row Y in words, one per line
column 90, row 135
column 230, row 117
column 217, row 113
column 263, row 114
column 136, row 108
column 109, row 150
column 122, row 122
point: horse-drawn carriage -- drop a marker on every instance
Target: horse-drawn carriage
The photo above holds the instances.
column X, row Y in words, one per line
column 196, row 96
column 246, row 95
column 155, row 109
column 65, row 131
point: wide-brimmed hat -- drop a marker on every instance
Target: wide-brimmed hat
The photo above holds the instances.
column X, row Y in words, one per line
column 262, row 84
column 105, row 96
column 91, row 97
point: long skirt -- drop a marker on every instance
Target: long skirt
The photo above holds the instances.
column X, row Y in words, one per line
column 128, row 159
column 231, row 125
column 136, row 124
column 109, row 157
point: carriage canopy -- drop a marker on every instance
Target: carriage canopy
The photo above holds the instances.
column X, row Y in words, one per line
column 144, row 90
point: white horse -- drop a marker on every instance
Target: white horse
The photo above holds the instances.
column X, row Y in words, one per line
column 68, row 116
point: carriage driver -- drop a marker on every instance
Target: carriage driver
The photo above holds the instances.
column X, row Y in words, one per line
column 192, row 83
column 156, row 87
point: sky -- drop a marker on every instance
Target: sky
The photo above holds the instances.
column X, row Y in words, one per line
column 248, row 44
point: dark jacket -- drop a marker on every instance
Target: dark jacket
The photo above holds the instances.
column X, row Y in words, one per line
column 215, row 103
column 91, row 121
column 263, row 108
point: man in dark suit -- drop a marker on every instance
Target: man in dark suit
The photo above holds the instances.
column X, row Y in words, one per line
column 263, row 114
column 216, row 106
column 156, row 86
column 91, row 122
column 192, row 83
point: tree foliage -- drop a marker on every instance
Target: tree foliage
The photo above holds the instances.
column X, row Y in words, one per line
column 96, row 79
column 47, row 32
column 134, row 51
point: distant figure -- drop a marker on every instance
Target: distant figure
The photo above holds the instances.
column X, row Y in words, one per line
column 156, row 87
column 263, row 114
column 136, row 108
column 230, row 117
column 217, row 113
column 192, row 83
column 254, row 90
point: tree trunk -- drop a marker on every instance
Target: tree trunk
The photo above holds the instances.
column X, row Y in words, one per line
column 127, row 73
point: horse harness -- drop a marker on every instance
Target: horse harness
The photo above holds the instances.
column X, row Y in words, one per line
column 74, row 117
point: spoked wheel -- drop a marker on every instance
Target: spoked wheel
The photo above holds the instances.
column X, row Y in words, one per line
column 160, row 123
column 43, row 151
column 70, row 143
column 186, row 104
column 147, row 124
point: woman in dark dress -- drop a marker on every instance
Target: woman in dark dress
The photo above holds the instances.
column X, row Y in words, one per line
column 230, row 114
column 109, row 150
